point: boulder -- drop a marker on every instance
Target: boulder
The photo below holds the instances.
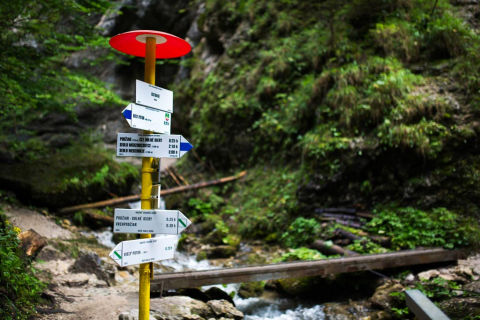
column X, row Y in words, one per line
column 49, row 253
column 461, row 308
column 221, row 251
column 180, row 308
column 215, row 293
column 89, row 262
column 251, row 289
column 383, row 298
column 224, row 309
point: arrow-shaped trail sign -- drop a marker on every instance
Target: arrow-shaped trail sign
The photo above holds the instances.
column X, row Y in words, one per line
column 147, row 118
column 152, row 145
column 149, row 221
column 153, row 96
column 131, row 252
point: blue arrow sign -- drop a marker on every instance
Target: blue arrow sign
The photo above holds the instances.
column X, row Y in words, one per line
column 152, row 145
column 146, row 118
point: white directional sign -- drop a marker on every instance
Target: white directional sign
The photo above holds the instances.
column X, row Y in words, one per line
column 152, row 145
column 147, row 118
column 149, row 221
column 131, row 252
column 153, row 96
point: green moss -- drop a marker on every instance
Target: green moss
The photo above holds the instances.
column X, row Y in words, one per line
column 266, row 198
column 80, row 173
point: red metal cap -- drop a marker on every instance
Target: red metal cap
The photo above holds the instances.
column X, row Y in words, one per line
column 133, row 43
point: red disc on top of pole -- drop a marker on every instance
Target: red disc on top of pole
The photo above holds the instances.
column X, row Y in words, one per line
column 134, row 42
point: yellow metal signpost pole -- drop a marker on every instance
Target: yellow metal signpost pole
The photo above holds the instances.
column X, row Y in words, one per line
column 146, row 197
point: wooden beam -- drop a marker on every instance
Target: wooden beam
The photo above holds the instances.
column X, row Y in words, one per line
column 192, row 279
column 422, row 307
column 165, row 192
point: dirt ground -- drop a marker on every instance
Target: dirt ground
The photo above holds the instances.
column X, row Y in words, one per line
column 78, row 295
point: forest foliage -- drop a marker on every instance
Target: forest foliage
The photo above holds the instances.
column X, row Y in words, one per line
column 37, row 38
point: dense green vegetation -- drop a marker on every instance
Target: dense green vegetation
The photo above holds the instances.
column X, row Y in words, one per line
column 19, row 288
column 361, row 107
column 41, row 97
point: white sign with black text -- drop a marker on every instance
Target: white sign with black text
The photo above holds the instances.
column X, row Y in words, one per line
column 152, row 145
column 147, row 118
column 131, row 252
column 149, row 221
column 152, row 96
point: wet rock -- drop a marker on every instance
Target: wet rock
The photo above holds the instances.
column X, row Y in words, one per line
column 194, row 293
column 473, row 286
column 461, row 308
column 215, row 293
column 221, row 251
column 31, row 242
column 383, row 298
column 429, row 274
column 296, row 286
column 224, row 309
column 251, row 289
column 180, row 308
column 49, row 253
column 90, row 262
column 350, row 311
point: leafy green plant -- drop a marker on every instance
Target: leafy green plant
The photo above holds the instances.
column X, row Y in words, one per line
column 438, row 288
column 365, row 245
column 409, row 227
column 18, row 284
column 301, row 253
column 301, row 232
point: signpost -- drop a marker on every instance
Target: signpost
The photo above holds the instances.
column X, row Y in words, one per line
column 149, row 221
column 131, row 252
column 152, row 45
column 153, row 96
column 152, row 145
column 146, row 118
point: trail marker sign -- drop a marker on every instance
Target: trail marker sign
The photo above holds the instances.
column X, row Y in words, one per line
column 131, row 252
column 146, row 118
column 149, row 221
column 152, row 145
column 152, row 96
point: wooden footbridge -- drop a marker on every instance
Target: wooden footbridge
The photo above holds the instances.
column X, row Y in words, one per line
column 192, row 279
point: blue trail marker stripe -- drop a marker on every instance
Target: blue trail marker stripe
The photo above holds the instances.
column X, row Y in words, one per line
column 127, row 114
column 185, row 146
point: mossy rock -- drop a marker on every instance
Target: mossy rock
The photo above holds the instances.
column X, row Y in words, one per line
column 77, row 174
column 251, row 289
column 297, row 286
column 223, row 251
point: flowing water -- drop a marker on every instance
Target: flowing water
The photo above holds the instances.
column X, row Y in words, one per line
column 261, row 308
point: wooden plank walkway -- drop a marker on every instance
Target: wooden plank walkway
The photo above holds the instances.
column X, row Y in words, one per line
column 191, row 279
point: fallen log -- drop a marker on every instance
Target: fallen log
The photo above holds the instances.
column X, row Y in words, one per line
column 347, row 223
column 165, row 192
column 329, row 248
column 193, row 279
column 381, row 240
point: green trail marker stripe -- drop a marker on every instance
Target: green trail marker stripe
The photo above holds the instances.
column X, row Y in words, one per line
column 183, row 223
column 116, row 253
